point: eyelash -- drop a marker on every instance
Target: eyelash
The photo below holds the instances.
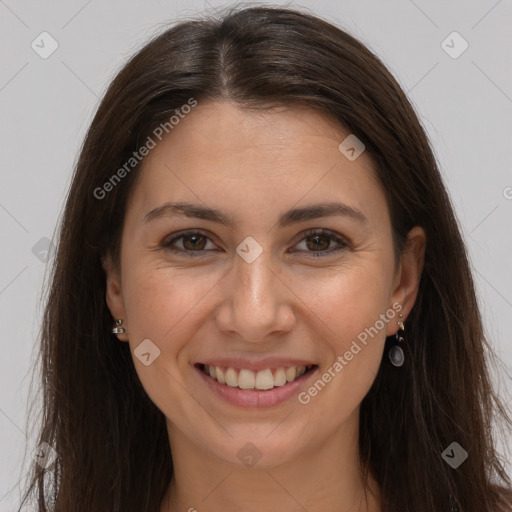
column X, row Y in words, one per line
column 343, row 244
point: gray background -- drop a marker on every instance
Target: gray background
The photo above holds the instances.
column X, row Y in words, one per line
column 46, row 105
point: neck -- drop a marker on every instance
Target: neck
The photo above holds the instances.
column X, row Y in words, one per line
column 325, row 477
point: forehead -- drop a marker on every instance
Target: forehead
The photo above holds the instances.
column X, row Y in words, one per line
column 264, row 159
column 224, row 130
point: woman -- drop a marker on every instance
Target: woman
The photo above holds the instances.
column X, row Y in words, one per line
column 261, row 299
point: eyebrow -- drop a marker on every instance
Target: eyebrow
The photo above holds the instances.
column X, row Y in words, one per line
column 288, row 218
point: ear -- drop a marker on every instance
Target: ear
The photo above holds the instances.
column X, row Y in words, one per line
column 407, row 278
column 114, row 295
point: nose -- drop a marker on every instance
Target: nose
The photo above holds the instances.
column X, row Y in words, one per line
column 257, row 303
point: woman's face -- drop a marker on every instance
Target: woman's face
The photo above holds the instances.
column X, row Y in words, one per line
column 268, row 285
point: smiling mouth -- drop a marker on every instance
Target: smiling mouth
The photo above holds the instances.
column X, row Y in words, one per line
column 262, row 380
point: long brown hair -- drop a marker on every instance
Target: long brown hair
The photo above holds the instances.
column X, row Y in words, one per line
column 111, row 440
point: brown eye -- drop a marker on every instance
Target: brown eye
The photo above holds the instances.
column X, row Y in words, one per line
column 317, row 243
column 194, row 242
column 189, row 243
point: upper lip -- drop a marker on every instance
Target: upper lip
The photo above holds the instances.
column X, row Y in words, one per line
column 240, row 363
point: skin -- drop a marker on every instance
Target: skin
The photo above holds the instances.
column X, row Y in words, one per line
column 254, row 166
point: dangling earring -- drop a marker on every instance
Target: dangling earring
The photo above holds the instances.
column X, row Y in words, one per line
column 117, row 329
column 396, row 353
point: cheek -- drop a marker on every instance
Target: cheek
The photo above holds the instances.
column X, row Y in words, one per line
column 352, row 310
column 347, row 301
column 161, row 302
column 165, row 306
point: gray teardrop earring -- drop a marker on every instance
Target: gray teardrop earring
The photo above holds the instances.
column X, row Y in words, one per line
column 396, row 353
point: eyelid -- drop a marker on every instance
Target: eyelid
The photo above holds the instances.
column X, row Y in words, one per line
column 336, row 237
column 167, row 244
column 343, row 242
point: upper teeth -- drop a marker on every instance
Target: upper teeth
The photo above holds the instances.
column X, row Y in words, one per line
column 248, row 379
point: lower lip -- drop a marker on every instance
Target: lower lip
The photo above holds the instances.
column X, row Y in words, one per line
column 254, row 398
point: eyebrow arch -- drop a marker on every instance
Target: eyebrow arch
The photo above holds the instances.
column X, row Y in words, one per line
column 288, row 218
